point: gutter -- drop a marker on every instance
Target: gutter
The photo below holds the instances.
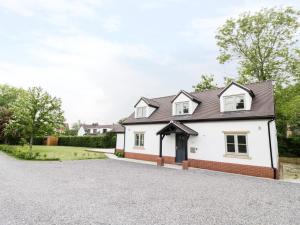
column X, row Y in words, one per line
column 270, row 147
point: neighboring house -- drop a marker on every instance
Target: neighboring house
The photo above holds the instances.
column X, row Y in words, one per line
column 231, row 130
column 93, row 129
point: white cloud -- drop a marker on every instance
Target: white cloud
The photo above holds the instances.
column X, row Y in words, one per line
column 69, row 7
column 111, row 23
column 88, row 73
column 155, row 4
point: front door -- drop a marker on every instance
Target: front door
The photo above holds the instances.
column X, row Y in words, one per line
column 181, row 148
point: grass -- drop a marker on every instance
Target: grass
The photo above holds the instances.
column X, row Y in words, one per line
column 62, row 153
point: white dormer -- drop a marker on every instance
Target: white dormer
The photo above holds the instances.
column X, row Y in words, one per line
column 184, row 104
column 235, row 97
column 145, row 107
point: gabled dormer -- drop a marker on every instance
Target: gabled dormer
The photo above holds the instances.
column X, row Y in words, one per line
column 145, row 107
column 235, row 97
column 184, row 103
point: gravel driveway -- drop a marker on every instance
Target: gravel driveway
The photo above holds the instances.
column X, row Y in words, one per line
column 118, row 192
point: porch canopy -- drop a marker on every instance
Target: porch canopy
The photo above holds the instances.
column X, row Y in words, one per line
column 174, row 127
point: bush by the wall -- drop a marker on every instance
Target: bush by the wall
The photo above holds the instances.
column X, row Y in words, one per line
column 39, row 140
column 18, row 152
column 289, row 147
column 105, row 141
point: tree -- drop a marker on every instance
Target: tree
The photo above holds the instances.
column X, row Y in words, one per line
column 206, row 83
column 8, row 95
column 263, row 44
column 5, row 115
column 287, row 108
column 35, row 113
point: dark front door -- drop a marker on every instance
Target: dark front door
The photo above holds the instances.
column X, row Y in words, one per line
column 181, row 148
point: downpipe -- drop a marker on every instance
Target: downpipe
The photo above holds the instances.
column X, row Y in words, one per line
column 270, row 147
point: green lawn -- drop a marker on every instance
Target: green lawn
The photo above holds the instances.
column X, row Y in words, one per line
column 43, row 152
column 65, row 153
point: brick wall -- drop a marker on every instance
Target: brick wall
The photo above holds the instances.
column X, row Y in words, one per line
column 257, row 171
column 148, row 157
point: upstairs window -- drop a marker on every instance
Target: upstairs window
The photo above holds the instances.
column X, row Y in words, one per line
column 182, row 108
column 236, row 143
column 141, row 112
column 234, row 102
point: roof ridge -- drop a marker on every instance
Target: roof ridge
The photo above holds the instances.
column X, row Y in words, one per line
column 215, row 89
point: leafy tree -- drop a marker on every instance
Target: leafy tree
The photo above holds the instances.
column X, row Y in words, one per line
column 35, row 113
column 8, row 95
column 206, row 83
column 263, row 44
column 5, row 115
column 287, row 108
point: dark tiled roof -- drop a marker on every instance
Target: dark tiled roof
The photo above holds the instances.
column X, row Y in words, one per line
column 239, row 85
column 178, row 125
column 96, row 126
column 149, row 102
column 117, row 128
column 209, row 108
column 189, row 95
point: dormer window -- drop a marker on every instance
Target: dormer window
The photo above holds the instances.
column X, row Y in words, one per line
column 141, row 112
column 234, row 102
column 182, row 108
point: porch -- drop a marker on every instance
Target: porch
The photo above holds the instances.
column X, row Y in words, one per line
column 182, row 134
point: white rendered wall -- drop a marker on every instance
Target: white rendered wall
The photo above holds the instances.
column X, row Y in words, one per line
column 120, row 141
column 81, row 132
column 235, row 90
column 210, row 142
column 183, row 98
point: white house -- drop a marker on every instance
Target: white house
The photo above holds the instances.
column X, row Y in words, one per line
column 93, row 129
column 230, row 129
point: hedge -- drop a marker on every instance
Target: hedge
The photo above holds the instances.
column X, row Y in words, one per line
column 106, row 141
column 289, row 147
column 19, row 152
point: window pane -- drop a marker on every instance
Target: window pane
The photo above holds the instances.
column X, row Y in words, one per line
column 229, row 104
column 141, row 112
column 241, row 139
column 242, row 148
column 239, row 102
column 230, row 148
column 230, row 138
column 178, row 108
column 137, row 139
column 185, row 107
column 141, row 139
column 144, row 112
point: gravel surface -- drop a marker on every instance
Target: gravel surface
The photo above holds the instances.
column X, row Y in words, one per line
column 118, row 192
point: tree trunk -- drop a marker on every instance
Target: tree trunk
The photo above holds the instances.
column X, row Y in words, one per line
column 30, row 143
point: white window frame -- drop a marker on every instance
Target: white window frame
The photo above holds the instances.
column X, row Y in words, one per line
column 141, row 139
column 182, row 104
column 234, row 97
column 143, row 112
column 236, row 145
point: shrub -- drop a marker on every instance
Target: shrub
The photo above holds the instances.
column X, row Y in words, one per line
column 289, row 147
column 120, row 154
column 106, row 141
column 38, row 140
column 18, row 152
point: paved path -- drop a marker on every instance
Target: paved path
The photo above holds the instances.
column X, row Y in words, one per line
column 119, row 192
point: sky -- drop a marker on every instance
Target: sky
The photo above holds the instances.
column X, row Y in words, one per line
column 101, row 56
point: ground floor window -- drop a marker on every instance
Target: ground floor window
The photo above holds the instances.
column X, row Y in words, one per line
column 139, row 139
column 236, row 143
